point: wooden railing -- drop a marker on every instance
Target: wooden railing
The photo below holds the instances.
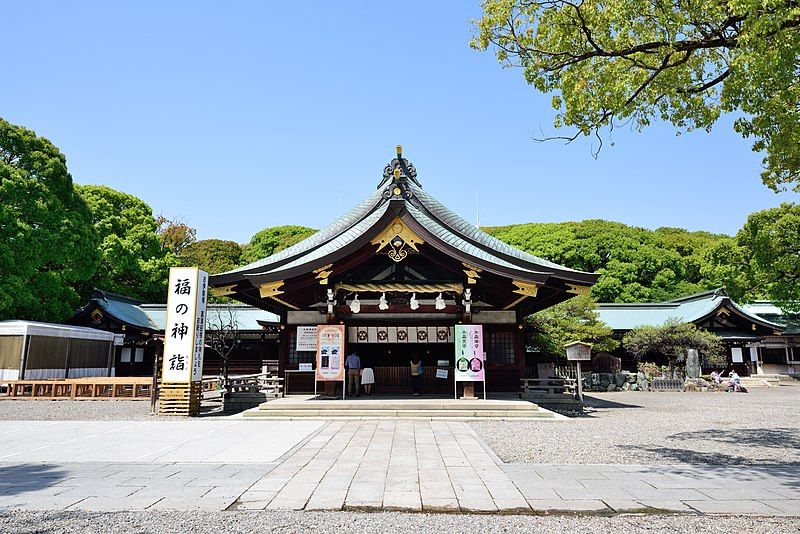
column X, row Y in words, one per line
column 548, row 386
column 214, row 386
column 138, row 388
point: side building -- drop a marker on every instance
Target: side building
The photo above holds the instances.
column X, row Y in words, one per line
column 142, row 325
column 756, row 342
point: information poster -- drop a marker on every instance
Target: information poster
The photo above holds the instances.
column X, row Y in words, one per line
column 330, row 352
column 306, row 339
column 469, row 353
column 184, row 332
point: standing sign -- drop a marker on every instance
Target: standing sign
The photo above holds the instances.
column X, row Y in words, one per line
column 184, row 332
column 330, row 352
column 469, row 353
column 306, row 339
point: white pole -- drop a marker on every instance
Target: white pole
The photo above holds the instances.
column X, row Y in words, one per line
column 580, row 382
column 315, row 385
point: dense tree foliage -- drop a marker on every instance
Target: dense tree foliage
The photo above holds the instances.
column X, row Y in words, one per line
column 682, row 61
column 635, row 264
column 48, row 245
column 133, row 261
column 274, row 239
column 212, row 255
column 576, row 319
column 175, row 235
column 764, row 259
column 672, row 340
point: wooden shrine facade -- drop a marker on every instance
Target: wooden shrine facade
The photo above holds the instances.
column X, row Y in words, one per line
column 400, row 270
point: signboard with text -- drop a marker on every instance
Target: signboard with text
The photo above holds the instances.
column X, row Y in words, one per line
column 306, row 339
column 330, row 352
column 469, row 353
column 577, row 351
column 185, row 328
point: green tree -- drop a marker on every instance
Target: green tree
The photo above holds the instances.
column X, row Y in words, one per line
column 212, row 255
column 47, row 243
column 764, row 261
column 573, row 320
column 175, row 235
column 274, row 239
column 635, row 264
column 133, row 261
column 671, row 341
column 681, row 61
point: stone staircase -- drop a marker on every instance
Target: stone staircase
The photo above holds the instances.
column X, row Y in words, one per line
column 763, row 380
column 301, row 407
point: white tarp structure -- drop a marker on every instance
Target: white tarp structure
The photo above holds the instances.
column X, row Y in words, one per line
column 34, row 351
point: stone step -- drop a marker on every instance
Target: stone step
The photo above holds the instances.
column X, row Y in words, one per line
column 426, row 414
column 338, row 405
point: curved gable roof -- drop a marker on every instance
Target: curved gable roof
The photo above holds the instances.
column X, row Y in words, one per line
column 404, row 196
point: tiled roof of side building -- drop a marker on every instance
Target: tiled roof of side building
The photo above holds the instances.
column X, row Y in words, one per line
column 247, row 317
column 687, row 309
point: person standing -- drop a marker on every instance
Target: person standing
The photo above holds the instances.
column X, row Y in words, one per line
column 416, row 375
column 353, row 365
column 367, row 378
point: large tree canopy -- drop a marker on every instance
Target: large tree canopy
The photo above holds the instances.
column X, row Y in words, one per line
column 212, row 255
column 764, row 260
column 635, row 264
column 682, row 61
column 672, row 340
column 274, row 239
column 48, row 245
column 134, row 263
column 573, row 320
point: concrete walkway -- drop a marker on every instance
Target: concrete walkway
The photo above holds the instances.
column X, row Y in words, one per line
column 385, row 464
column 443, row 466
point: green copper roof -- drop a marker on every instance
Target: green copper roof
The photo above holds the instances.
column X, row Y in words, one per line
column 687, row 309
column 153, row 316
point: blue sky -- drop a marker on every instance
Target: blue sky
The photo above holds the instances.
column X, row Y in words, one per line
column 240, row 115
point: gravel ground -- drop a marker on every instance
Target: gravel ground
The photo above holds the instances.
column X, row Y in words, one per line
column 273, row 521
column 83, row 410
column 760, row 427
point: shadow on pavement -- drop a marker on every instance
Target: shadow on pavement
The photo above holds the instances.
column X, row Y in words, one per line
column 17, row 479
column 748, row 442
column 596, row 402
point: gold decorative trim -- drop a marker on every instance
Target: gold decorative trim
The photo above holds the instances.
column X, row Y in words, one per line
column 323, row 273
column 396, row 236
column 527, row 289
column 223, row 291
column 408, row 288
column 578, row 290
column 270, row 289
column 472, row 273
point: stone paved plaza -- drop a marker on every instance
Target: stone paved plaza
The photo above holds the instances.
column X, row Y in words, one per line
column 410, row 465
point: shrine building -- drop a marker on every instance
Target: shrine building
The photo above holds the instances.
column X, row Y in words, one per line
column 400, row 270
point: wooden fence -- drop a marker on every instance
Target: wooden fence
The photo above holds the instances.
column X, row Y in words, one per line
column 97, row 388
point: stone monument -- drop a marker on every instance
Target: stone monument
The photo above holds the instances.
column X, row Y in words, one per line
column 692, row 364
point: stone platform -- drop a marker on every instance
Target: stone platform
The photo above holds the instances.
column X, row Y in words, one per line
column 385, row 407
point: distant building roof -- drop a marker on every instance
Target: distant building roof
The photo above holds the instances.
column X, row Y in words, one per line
column 33, row 328
column 690, row 309
column 769, row 311
column 152, row 317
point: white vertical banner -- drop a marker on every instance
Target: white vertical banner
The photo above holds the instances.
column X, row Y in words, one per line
column 184, row 331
